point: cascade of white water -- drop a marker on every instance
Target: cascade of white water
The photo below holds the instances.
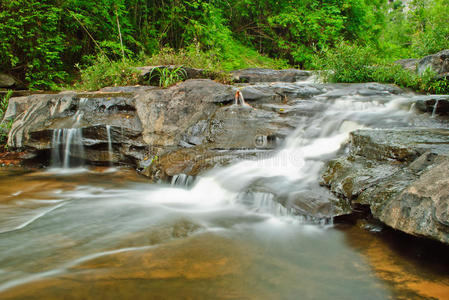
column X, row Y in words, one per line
column 182, row 180
column 110, row 151
column 240, row 100
column 67, row 148
column 67, row 143
column 55, row 148
column 296, row 166
column 434, row 111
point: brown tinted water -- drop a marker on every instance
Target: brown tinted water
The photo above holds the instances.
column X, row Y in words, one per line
column 111, row 235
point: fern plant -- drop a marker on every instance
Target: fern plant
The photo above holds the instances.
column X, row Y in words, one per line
column 167, row 76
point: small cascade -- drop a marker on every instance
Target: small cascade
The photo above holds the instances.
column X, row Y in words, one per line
column 67, row 148
column 110, row 151
column 182, row 180
column 67, row 143
column 264, row 203
column 240, row 100
column 434, row 111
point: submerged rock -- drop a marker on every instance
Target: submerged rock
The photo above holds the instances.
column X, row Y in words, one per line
column 401, row 175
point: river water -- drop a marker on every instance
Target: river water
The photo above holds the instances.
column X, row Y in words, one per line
column 109, row 234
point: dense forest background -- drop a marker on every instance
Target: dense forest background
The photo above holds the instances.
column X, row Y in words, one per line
column 48, row 43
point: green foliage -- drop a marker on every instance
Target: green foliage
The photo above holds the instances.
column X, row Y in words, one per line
column 296, row 29
column 4, row 101
column 346, row 63
column 420, row 31
column 5, row 125
column 104, row 72
column 42, row 41
column 167, row 76
column 429, row 26
column 191, row 57
column 352, row 63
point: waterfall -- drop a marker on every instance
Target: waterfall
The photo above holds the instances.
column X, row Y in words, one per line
column 67, row 148
column 182, row 180
column 67, row 143
column 264, row 203
column 239, row 99
column 434, row 111
column 295, row 167
column 110, row 151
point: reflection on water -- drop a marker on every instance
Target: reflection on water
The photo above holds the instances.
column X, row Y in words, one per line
column 104, row 235
column 412, row 268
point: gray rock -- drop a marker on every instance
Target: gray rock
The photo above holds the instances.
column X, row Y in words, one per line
column 37, row 116
column 151, row 121
column 438, row 62
column 6, row 81
column 401, row 175
column 438, row 104
column 268, row 75
column 410, row 64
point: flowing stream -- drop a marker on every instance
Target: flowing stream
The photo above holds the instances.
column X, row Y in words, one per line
column 223, row 235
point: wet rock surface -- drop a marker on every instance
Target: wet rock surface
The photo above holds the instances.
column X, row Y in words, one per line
column 195, row 126
column 401, row 174
column 38, row 116
column 433, row 104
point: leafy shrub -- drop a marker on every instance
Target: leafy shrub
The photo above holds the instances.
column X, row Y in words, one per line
column 346, row 63
column 104, row 72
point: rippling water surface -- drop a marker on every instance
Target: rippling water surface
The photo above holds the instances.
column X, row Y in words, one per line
column 111, row 235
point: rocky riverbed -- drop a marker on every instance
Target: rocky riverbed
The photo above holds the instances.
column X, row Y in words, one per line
column 395, row 160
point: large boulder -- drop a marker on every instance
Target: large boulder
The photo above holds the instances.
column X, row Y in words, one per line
column 401, row 175
column 38, row 117
column 438, row 62
column 144, row 121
